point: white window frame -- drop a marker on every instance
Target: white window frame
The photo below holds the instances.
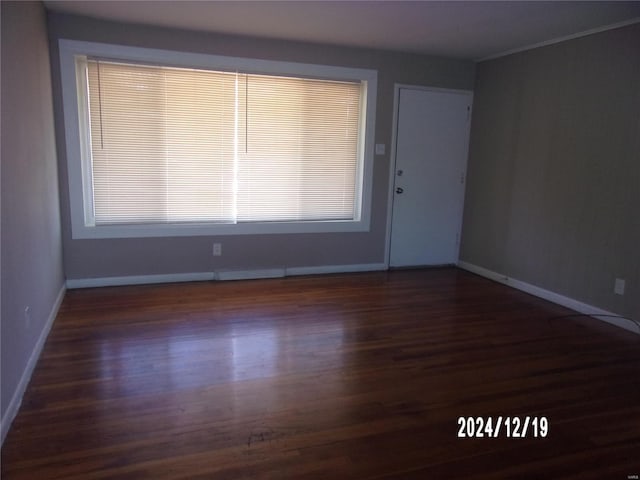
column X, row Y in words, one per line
column 80, row 188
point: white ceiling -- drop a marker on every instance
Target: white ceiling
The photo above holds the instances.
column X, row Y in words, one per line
column 465, row 29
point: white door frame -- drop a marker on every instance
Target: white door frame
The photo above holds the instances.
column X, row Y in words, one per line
column 392, row 160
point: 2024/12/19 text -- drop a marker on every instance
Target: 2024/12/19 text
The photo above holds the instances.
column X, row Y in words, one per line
column 508, row 427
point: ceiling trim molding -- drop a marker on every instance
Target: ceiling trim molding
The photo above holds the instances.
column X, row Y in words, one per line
column 573, row 36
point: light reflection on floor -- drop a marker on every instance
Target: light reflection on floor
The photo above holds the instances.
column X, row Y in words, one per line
column 198, row 356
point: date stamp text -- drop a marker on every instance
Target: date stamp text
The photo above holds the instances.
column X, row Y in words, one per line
column 506, row 427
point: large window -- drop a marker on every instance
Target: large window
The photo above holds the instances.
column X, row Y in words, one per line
column 163, row 143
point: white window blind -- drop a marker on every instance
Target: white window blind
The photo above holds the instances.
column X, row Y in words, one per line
column 172, row 145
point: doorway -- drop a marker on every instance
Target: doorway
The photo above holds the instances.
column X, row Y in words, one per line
column 431, row 145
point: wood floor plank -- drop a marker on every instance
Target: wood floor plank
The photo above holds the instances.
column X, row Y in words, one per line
column 354, row 376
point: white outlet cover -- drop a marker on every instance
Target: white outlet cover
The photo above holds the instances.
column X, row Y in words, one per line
column 618, row 287
column 380, row 148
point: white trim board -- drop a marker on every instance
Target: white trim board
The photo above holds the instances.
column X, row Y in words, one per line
column 138, row 280
column 553, row 297
column 16, row 399
column 226, row 274
column 585, row 33
column 326, row 269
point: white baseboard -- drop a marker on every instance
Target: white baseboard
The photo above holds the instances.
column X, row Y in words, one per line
column 325, row 269
column 16, row 399
column 249, row 274
column 222, row 275
column 139, row 280
column 576, row 305
column 483, row 272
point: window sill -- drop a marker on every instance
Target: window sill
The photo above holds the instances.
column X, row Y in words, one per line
column 192, row 230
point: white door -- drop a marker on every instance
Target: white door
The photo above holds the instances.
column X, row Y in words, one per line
column 432, row 136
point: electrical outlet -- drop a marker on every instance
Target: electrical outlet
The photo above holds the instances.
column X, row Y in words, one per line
column 217, row 249
column 618, row 286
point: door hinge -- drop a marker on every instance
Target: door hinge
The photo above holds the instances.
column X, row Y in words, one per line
column 462, row 178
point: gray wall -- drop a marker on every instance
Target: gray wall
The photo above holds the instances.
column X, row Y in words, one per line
column 32, row 273
column 121, row 257
column 553, row 187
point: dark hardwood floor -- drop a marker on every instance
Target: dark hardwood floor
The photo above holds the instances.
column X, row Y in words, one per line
column 358, row 376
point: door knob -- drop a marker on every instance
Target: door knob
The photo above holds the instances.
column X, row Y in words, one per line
column 399, row 190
